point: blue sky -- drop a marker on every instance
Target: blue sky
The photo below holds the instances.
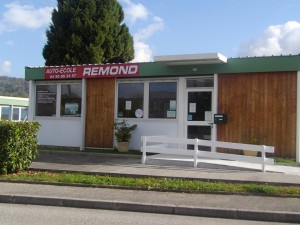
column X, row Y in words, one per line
column 235, row 28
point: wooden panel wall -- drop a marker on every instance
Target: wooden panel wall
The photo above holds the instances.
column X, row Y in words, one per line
column 100, row 113
column 262, row 104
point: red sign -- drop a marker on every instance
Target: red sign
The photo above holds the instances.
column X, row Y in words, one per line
column 92, row 71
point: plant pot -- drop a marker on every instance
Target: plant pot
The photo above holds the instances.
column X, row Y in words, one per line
column 250, row 153
column 123, row 146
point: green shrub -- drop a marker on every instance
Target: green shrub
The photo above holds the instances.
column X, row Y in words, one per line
column 18, row 145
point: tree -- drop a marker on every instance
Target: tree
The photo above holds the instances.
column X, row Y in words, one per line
column 88, row 32
column 12, row 86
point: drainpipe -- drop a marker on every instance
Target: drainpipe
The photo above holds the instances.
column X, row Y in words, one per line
column 83, row 114
column 298, row 119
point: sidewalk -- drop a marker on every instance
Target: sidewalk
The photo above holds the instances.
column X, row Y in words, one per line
column 204, row 205
column 248, row 207
column 130, row 165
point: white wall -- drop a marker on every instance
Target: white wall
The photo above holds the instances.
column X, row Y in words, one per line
column 151, row 128
column 60, row 132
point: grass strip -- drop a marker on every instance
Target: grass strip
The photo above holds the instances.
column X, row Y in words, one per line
column 286, row 161
column 168, row 184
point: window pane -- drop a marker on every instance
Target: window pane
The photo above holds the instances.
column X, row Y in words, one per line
column 130, row 100
column 200, row 82
column 199, row 106
column 71, row 100
column 162, row 100
column 45, row 100
column 16, row 113
column 24, row 113
column 4, row 113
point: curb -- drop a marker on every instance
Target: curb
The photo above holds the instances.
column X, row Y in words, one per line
column 146, row 189
column 87, row 153
column 271, row 216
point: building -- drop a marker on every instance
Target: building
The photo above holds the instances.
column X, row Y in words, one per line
column 204, row 95
column 12, row 108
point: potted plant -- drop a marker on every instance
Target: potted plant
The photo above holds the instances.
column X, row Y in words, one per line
column 122, row 131
column 252, row 140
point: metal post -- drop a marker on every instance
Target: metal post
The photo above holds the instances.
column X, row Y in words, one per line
column 196, row 152
column 144, row 139
column 83, row 114
column 263, row 156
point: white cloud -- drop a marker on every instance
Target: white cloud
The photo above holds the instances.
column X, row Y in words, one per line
column 147, row 32
column 143, row 52
column 25, row 16
column 135, row 12
column 5, row 67
column 275, row 40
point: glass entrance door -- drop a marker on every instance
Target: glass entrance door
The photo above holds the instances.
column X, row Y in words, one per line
column 199, row 115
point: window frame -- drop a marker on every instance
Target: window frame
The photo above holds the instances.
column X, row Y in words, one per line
column 176, row 99
column 58, row 99
column 117, row 99
column 146, row 97
column 80, row 104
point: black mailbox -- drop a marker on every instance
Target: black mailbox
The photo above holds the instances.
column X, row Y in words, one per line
column 220, row 118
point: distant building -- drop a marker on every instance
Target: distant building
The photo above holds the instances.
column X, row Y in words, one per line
column 13, row 108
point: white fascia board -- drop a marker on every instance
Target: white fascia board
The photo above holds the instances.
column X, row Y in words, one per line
column 189, row 59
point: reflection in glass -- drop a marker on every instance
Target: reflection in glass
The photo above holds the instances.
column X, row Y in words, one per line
column 71, row 100
column 199, row 106
column 162, row 100
column 16, row 112
column 130, row 100
column 45, row 100
column 4, row 113
column 200, row 132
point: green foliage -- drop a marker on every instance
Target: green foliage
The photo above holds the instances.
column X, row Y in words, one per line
column 151, row 183
column 123, row 130
column 12, row 86
column 254, row 188
column 18, row 145
column 287, row 161
column 88, row 32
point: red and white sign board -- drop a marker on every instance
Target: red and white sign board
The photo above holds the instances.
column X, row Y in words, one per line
column 92, row 71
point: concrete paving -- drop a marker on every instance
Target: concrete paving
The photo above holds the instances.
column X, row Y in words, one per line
column 130, row 165
column 251, row 207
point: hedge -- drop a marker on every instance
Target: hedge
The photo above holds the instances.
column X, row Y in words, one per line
column 18, row 145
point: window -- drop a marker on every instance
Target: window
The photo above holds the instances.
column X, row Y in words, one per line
column 4, row 113
column 61, row 99
column 24, row 113
column 162, row 100
column 16, row 112
column 70, row 100
column 200, row 82
column 130, row 100
column 46, row 100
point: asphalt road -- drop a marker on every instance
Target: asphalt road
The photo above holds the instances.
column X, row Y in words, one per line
column 15, row 214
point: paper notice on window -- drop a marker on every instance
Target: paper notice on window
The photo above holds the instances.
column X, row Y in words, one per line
column 208, row 116
column 171, row 114
column 128, row 105
column 173, row 105
column 192, row 108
